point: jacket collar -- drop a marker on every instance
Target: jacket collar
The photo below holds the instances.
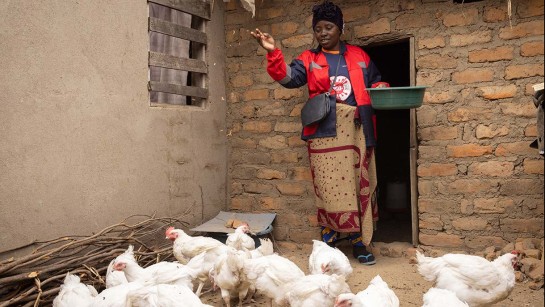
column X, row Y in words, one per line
column 342, row 48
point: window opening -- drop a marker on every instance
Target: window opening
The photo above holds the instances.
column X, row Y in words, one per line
column 177, row 65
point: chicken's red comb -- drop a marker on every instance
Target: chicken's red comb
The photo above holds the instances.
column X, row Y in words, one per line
column 169, row 230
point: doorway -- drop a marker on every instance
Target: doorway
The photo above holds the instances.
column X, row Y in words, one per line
column 395, row 141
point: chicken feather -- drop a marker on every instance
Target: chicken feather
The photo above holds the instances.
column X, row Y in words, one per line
column 436, row 297
column 328, row 260
column 114, row 277
column 185, row 247
column 240, row 239
column 377, row 294
column 270, row 273
column 475, row 280
column 163, row 295
column 74, row 293
column 227, row 274
column 316, row 290
column 162, row 270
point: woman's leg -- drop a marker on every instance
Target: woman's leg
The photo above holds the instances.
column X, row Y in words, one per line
column 359, row 251
column 329, row 236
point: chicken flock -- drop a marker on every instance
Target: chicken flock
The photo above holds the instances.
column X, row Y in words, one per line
column 240, row 270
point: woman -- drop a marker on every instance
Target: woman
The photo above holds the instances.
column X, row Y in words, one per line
column 341, row 146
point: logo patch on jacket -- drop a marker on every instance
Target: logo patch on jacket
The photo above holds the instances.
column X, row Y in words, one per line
column 342, row 88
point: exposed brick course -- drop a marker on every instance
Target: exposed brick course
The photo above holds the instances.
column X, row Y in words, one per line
column 407, row 21
column 460, row 40
column 432, row 223
column 532, row 166
column 498, row 92
column 531, row 48
column 441, row 97
column 515, row 109
column 357, row 13
column 297, row 41
column 380, row 26
column 522, row 225
column 492, row 168
column 469, row 114
column 432, row 42
column 473, row 75
column 481, row 242
column 468, row 150
column 523, row 71
column 462, row 18
column 491, row 55
column 436, row 61
column 470, row 223
column 523, row 29
column 494, row 14
column 442, row 239
column 493, row 205
column 438, row 133
column 437, row 169
column 490, row 131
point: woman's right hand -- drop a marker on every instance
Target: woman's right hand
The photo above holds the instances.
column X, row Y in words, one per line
column 265, row 40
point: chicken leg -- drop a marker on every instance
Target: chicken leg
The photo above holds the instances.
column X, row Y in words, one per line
column 199, row 289
column 226, row 297
column 250, row 295
column 241, row 296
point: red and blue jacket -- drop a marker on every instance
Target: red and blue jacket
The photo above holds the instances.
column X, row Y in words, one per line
column 311, row 68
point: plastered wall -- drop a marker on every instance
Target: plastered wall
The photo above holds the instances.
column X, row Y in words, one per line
column 80, row 147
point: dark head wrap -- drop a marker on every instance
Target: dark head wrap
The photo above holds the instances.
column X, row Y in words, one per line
column 329, row 12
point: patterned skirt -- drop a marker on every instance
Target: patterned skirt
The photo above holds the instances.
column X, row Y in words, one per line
column 344, row 176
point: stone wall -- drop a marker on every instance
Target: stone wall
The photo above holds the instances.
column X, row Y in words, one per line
column 479, row 182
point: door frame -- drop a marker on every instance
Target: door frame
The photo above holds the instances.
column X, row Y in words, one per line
column 413, row 151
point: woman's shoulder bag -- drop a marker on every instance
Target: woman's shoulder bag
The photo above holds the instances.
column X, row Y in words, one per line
column 318, row 107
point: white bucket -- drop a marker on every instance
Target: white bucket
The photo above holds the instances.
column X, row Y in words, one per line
column 396, row 196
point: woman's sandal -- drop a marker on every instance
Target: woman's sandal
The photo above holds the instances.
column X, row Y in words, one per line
column 368, row 259
column 363, row 256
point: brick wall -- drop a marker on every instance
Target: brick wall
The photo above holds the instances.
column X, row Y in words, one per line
column 479, row 182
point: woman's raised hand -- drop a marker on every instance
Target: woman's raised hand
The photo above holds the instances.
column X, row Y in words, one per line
column 265, row 40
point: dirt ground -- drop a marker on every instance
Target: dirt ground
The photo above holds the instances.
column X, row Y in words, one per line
column 400, row 275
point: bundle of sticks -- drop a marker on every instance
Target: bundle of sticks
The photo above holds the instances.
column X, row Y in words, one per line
column 35, row 279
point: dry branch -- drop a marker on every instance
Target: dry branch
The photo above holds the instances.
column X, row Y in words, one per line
column 35, row 279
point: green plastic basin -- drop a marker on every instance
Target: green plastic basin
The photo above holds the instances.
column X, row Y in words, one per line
column 393, row 98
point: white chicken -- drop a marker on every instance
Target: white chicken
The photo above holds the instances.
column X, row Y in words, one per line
column 163, row 296
column 134, row 272
column 436, row 297
column 204, row 262
column 114, row 277
column 270, row 273
column 473, row 279
column 265, row 248
column 186, row 247
column 240, row 239
column 377, row 294
column 325, row 259
column 315, row 290
column 115, row 296
column 228, row 275
column 74, row 293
